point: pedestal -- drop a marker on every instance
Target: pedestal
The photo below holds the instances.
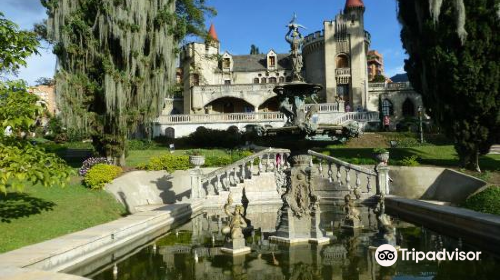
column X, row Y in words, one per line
column 236, row 247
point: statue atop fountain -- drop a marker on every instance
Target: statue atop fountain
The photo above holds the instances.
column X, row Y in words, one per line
column 295, row 39
column 235, row 240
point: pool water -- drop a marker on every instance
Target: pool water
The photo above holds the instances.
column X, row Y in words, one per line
column 192, row 251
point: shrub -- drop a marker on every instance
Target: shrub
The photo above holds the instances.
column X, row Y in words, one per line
column 101, row 174
column 205, row 138
column 168, row 162
column 217, row 161
column 410, row 161
column 380, row 151
column 90, row 162
column 141, row 145
column 487, row 201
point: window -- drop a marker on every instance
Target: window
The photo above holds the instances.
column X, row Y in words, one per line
column 226, row 63
column 387, row 108
column 282, row 79
column 196, row 80
column 170, row 132
column 342, row 61
column 256, row 81
column 227, row 82
column 272, row 61
column 408, row 108
column 272, row 80
column 263, row 81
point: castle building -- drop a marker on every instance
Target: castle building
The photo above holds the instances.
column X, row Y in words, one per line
column 336, row 57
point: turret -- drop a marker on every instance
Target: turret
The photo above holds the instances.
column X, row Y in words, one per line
column 213, row 39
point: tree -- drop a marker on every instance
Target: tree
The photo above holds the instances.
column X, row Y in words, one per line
column 453, row 62
column 20, row 161
column 15, row 46
column 379, row 78
column 254, row 49
column 117, row 62
column 43, row 81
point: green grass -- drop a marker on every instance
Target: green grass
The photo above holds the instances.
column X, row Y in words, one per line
column 444, row 156
column 41, row 213
column 136, row 157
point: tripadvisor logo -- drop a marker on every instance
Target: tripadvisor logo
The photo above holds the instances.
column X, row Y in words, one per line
column 387, row 255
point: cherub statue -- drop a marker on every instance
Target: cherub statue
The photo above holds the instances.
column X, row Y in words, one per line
column 351, row 212
column 237, row 222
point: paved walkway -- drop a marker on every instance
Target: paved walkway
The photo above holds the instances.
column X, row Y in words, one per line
column 66, row 251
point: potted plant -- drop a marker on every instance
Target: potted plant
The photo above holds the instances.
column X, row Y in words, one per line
column 196, row 158
column 382, row 155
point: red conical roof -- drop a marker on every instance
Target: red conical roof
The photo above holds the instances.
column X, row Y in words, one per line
column 354, row 4
column 212, row 33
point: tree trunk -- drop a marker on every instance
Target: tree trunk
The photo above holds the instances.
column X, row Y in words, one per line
column 470, row 160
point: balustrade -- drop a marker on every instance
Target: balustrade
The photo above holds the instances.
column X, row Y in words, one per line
column 230, row 176
column 390, row 86
column 380, row 175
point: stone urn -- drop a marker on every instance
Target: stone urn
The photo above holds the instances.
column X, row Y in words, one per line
column 382, row 157
column 197, row 161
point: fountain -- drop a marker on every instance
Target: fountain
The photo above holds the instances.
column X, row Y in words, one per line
column 299, row 218
column 292, row 98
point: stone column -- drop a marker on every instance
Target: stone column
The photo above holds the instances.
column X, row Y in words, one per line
column 196, row 188
column 382, row 179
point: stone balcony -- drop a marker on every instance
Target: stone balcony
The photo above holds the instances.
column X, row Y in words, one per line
column 389, row 86
column 343, row 75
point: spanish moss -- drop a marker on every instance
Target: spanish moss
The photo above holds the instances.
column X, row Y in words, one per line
column 116, row 63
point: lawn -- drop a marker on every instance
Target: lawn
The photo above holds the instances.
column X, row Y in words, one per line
column 444, row 156
column 136, row 157
column 41, row 213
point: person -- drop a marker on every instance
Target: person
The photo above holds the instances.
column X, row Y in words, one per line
column 347, row 107
column 387, row 122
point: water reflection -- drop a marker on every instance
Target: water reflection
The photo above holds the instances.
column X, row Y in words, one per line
column 194, row 253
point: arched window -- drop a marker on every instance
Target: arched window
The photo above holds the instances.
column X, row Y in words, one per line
column 170, row 132
column 272, row 80
column 282, row 79
column 342, row 61
column 263, row 81
column 408, row 108
column 387, row 108
column 256, row 80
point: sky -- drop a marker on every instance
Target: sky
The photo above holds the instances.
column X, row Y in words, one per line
column 241, row 23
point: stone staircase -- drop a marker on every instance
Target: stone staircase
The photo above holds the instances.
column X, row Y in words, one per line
column 495, row 150
column 249, row 180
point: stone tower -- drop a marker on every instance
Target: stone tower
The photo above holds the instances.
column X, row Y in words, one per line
column 336, row 56
column 198, row 62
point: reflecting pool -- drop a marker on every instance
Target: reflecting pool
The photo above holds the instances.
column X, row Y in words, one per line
column 192, row 251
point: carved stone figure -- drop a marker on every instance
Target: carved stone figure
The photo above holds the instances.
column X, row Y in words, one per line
column 384, row 224
column 237, row 221
column 299, row 218
column 235, row 240
column 352, row 219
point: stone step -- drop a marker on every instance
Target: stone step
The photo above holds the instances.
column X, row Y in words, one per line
column 495, row 150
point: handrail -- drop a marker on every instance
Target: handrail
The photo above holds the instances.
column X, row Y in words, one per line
column 232, row 117
column 356, row 116
column 241, row 162
column 343, row 163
